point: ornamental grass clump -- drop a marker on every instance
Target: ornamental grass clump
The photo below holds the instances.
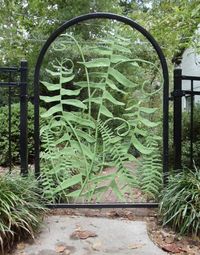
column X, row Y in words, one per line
column 180, row 202
column 20, row 209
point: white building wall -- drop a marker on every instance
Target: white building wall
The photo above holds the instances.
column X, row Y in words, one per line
column 191, row 67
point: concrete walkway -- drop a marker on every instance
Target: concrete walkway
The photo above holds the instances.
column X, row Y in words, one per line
column 77, row 235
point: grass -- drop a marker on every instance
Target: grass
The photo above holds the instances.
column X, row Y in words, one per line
column 21, row 209
column 180, row 202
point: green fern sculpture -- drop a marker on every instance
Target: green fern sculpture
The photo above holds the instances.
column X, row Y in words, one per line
column 77, row 142
column 150, row 171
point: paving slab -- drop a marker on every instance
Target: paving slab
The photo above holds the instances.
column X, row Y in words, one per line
column 77, row 235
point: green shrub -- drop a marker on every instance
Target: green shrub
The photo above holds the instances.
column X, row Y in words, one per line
column 180, row 202
column 186, row 137
column 186, row 153
column 4, row 139
column 20, row 208
column 196, row 124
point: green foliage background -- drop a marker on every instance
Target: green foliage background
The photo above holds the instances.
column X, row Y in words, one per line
column 4, row 139
column 172, row 23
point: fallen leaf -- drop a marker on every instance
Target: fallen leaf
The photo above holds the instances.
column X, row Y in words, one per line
column 91, row 214
column 135, row 245
column 67, row 252
column 60, row 248
column 164, row 233
column 82, row 234
column 20, row 246
column 171, row 248
column 169, row 239
column 130, row 216
column 113, row 214
column 78, row 227
column 97, row 246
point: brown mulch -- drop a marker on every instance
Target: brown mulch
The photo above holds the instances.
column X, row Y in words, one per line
column 172, row 242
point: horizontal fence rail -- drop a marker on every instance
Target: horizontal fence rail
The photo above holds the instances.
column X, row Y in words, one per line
column 10, row 84
column 103, row 205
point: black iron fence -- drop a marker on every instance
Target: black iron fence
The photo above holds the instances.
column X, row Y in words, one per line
column 14, row 81
column 177, row 95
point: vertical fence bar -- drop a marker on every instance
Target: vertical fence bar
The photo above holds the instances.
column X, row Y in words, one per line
column 9, row 126
column 23, row 117
column 191, row 123
column 177, row 117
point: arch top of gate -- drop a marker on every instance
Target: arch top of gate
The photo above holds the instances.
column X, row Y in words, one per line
column 132, row 24
column 103, row 15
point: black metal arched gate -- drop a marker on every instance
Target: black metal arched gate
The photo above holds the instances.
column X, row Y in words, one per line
column 58, row 102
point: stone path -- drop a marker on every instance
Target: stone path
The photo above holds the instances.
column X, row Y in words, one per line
column 77, row 235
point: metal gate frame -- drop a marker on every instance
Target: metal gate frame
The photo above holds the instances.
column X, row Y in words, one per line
column 163, row 62
column 177, row 95
column 22, row 84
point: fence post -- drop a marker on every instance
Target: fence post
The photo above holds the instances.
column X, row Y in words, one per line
column 23, row 117
column 177, row 129
column 191, row 124
column 9, row 125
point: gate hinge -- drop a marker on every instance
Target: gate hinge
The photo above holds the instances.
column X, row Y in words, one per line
column 177, row 93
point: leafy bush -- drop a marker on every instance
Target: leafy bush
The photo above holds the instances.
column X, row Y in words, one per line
column 186, row 137
column 15, row 120
column 20, row 208
column 186, row 153
column 196, row 124
column 180, row 203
